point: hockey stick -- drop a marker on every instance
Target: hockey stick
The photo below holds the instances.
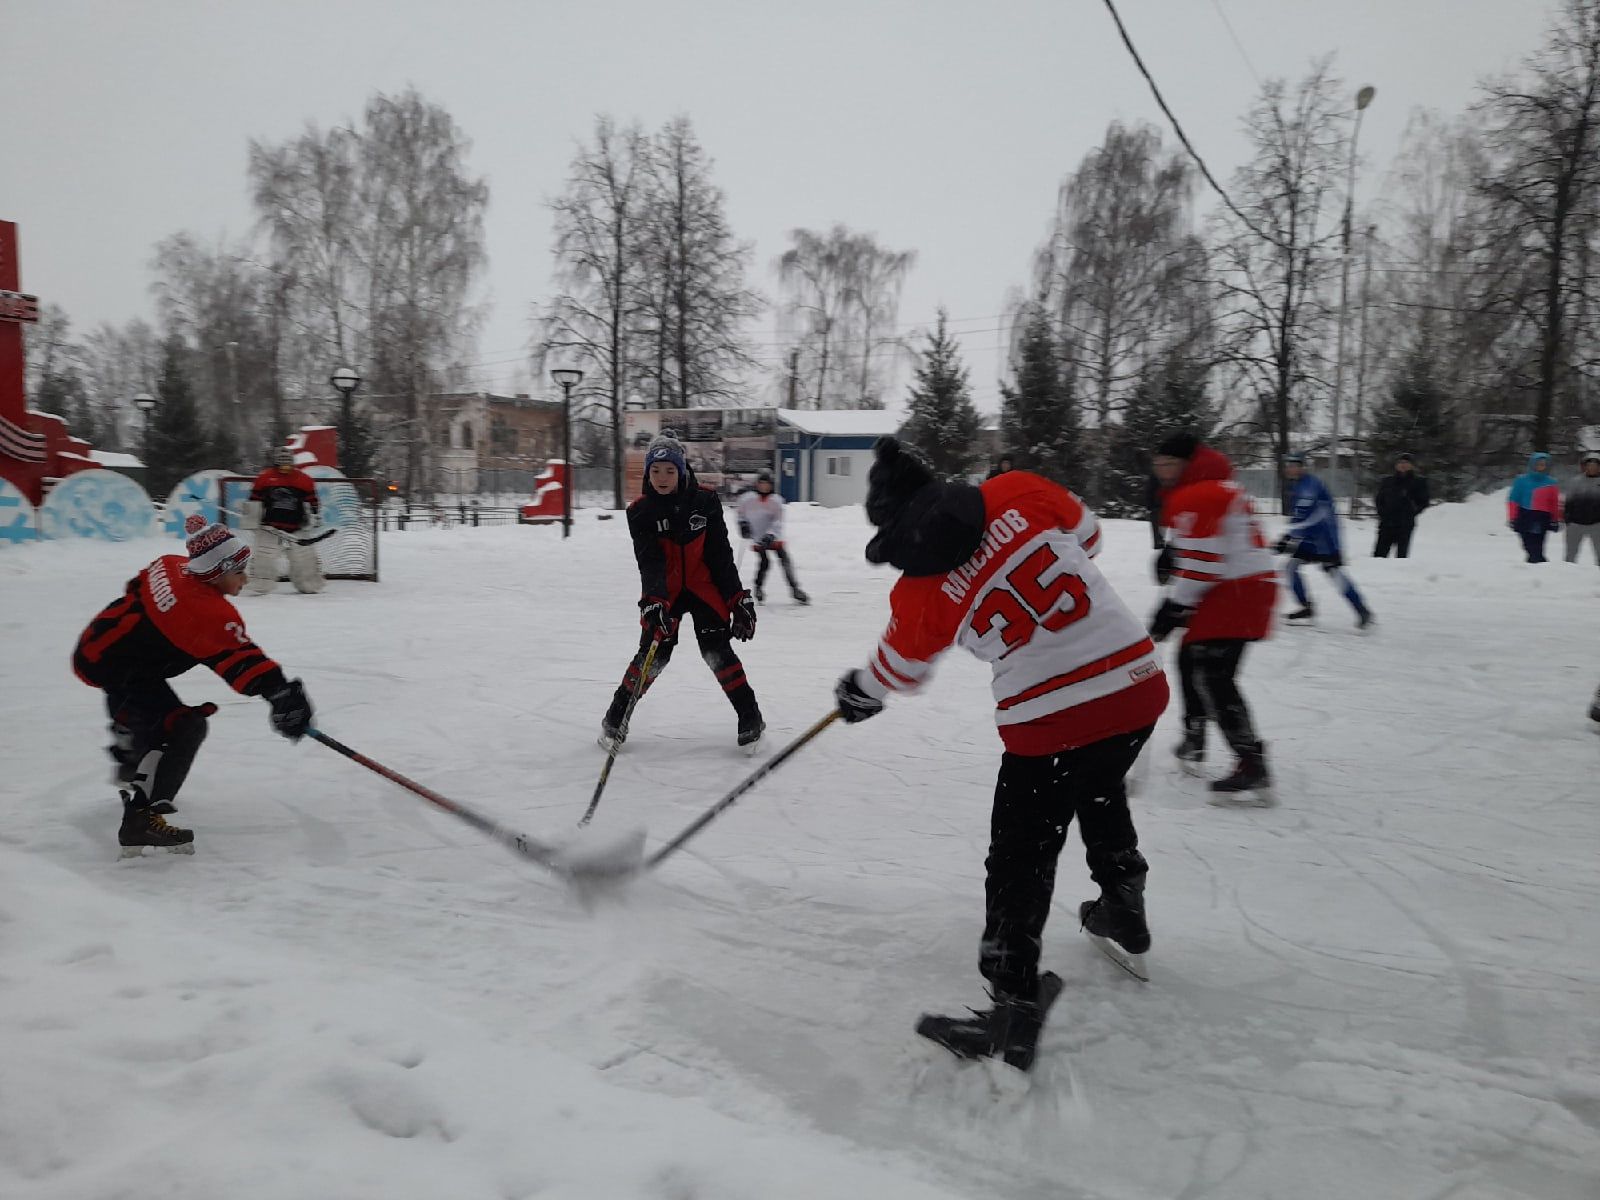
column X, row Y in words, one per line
column 627, row 715
column 280, row 534
column 711, row 814
column 546, row 856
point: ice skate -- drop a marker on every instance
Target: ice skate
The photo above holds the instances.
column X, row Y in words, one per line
column 612, row 734
column 1250, row 782
column 751, row 727
column 1116, row 924
column 801, row 598
column 1191, row 751
column 1008, row 1031
column 1364, row 619
column 1304, row 615
column 143, row 827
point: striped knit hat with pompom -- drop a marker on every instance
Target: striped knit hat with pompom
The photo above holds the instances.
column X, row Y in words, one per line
column 214, row 550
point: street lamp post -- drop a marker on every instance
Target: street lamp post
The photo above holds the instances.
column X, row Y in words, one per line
column 1363, row 98
column 146, row 404
column 345, row 382
column 568, row 378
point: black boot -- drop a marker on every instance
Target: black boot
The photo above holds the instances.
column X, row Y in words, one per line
column 800, row 597
column 1010, row 1030
column 751, row 726
column 1119, row 915
column 142, row 826
column 1302, row 615
column 1249, row 774
column 1193, row 747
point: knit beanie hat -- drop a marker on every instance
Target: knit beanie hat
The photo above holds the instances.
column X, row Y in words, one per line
column 214, row 550
column 1179, row 445
column 666, row 448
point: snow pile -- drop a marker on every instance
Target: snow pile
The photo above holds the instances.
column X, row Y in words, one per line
column 1387, row 986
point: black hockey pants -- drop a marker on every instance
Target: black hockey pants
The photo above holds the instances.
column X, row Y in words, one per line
column 1035, row 800
column 1210, row 691
column 763, row 564
column 156, row 737
column 716, row 648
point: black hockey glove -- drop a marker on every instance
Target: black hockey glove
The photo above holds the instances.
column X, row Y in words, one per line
column 1171, row 615
column 742, row 623
column 291, row 710
column 744, row 529
column 768, row 542
column 1286, row 545
column 1164, row 565
column 855, row 705
column 654, row 614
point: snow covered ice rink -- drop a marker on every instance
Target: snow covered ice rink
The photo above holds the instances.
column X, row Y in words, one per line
column 1387, row 986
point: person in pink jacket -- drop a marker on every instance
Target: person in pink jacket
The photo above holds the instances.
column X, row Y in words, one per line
column 1534, row 506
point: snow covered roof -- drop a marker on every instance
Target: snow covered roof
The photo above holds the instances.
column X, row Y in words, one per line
column 842, row 422
column 113, row 458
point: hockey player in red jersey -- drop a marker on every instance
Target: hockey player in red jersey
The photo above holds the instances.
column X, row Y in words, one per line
column 176, row 614
column 1004, row 570
column 283, row 501
column 1220, row 592
column 686, row 568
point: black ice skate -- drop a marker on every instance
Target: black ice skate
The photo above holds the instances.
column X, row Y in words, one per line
column 761, row 594
column 1249, row 781
column 1302, row 616
column 751, row 727
column 1364, row 618
column 1191, row 752
column 613, row 733
column 143, row 827
column 1008, row 1031
column 800, row 597
column 1594, row 709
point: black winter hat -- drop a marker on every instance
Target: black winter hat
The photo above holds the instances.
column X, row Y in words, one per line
column 897, row 475
column 1179, row 445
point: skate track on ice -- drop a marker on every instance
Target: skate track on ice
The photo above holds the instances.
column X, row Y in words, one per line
column 1387, row 986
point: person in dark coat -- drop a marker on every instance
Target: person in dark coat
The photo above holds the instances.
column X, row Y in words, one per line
column 1001, row 466
column 1401, row 497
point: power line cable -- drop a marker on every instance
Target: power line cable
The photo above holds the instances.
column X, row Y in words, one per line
column 1178, row 129
column 1238, row 45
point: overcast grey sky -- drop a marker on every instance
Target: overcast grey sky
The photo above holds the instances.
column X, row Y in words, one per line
column 942, row 127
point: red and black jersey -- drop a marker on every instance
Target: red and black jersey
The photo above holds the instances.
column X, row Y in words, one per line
column 285, row 496
column 681, row 544
column 166, row 622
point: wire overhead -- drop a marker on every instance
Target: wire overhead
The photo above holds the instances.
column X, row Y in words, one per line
column 1178, row 129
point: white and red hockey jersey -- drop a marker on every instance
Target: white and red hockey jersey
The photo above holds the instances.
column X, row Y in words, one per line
column 1072, row 665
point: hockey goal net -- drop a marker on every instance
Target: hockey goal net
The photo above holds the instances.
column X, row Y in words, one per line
column 351, row 507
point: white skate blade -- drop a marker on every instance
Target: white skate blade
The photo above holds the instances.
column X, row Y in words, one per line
column 1261, row 797
column 753, row 748
column 1133, row 964
column 138, row 851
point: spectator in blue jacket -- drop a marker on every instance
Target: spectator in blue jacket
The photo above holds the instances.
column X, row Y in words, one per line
column 1534, row 507
column 1313, row 537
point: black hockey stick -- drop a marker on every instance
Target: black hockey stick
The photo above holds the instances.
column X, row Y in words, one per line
column 711, row 814
column 627, row 715
column 546, row 856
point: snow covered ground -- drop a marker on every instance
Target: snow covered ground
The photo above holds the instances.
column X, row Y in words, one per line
column 1388, row 986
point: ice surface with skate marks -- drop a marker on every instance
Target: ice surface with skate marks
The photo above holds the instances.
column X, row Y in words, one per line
column 1388, row 985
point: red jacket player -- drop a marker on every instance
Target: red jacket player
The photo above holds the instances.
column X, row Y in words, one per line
column 1221, row 592
column 283, row 498
column 1004, row 570
column 686, row 568
column 175, row 614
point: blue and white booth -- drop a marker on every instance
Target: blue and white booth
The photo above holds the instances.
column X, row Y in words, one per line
column 824, row 454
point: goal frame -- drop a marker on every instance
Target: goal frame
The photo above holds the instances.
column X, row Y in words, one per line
column 234, row 490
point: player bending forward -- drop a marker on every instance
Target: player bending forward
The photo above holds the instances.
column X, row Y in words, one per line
column 283, row 502
column 1004, row 570
column 173, row 615
column 686, row 568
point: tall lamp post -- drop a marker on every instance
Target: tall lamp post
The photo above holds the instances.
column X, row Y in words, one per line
column 1363, row 98
column 146, row 404
column 568, row 378
column 345, row 382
